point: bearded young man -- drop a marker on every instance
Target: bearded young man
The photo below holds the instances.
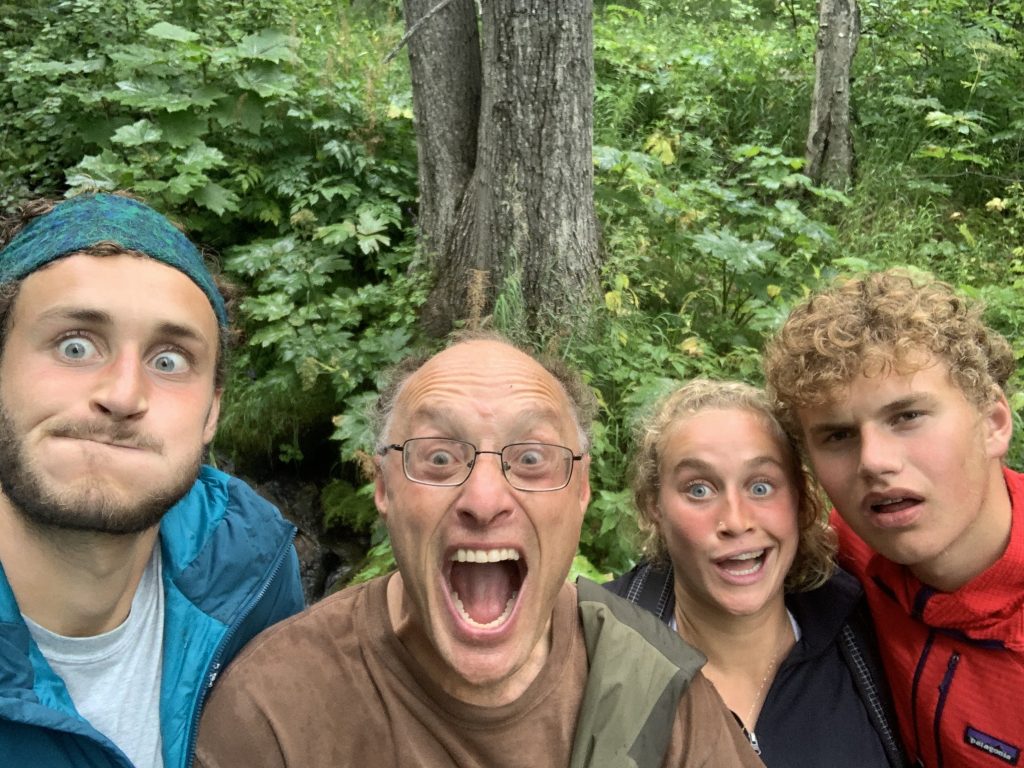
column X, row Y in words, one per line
column 476, row 653
column 130, row 572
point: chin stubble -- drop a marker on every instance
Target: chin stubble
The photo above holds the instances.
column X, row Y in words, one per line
column 90, row 507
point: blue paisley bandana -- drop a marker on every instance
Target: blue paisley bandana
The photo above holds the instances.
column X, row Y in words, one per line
column 89, row 219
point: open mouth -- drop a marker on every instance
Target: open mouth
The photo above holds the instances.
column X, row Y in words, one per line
column 484, row 584
column 894, row 504
column 744, row 564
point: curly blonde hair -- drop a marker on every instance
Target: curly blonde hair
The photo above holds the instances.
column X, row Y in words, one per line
column 883, row 321
column 814, row 562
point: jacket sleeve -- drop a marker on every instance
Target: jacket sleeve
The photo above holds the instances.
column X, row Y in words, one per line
column 281, row 598
column 288, row 599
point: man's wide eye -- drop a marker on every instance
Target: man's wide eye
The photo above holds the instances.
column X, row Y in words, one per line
column 76, row 348
column 440, row 458
column 170, row 362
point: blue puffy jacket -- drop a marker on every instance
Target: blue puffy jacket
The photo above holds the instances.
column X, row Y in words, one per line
column 229, row 571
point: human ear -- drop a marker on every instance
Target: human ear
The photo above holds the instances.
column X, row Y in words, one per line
column 998, row 426
column 380, row 493
column 210, row 427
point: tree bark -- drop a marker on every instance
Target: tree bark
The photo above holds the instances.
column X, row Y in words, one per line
column 522, row 224
column 830, row 152
column 444, row 61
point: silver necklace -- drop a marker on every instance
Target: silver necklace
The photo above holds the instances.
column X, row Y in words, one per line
column 751, row 736
column 768, row 675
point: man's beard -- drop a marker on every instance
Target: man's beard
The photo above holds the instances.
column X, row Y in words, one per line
column 86, row 508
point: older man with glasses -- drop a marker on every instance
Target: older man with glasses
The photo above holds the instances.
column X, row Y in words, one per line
column 476, row 652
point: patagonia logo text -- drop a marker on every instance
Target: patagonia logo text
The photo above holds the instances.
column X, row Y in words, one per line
column 1008, row 753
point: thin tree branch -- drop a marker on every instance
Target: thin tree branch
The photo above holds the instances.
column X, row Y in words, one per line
column 412, row 30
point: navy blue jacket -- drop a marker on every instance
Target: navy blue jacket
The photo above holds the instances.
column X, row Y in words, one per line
column 828, row 704
column 229, row 571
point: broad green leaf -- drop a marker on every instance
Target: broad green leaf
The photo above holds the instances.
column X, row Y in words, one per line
column 154, row 187
column 266, row 80
column 740, row 255
column 372, row 243
column 142, row 88
column 370, row 223
column 167, row 31
column 336, row 234
column 199, row 157
column 268, row 45
column 183, row 185
column 217, row 198
column 660, row 146
column 137, row 134
column 206, row 95
column 269, row 335
column 180, row 129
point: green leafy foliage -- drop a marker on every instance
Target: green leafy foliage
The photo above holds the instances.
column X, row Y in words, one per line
column 241, row 120
column 278, row 135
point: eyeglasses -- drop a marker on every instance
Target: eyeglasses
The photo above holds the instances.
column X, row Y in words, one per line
column 526, row 466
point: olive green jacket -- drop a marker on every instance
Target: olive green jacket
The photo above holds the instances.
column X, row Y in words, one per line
column 640, row 670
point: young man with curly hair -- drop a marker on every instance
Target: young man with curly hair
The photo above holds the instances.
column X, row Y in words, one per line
column 895, row 387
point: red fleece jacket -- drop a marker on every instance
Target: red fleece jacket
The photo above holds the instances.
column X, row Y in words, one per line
column 955, row 660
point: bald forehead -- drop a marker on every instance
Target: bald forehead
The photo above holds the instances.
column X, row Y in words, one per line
column 488, row 383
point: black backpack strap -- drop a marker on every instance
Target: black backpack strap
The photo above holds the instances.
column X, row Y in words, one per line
column 650, row 586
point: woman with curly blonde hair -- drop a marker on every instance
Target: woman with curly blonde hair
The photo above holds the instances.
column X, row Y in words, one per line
column 740, row 561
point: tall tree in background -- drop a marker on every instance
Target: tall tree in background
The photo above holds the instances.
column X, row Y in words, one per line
column 504, row 123
column 829, row 138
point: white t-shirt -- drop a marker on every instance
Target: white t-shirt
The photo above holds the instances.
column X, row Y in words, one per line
column 114, row 678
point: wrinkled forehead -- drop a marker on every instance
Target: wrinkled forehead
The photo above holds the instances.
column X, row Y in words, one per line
column 484, row 387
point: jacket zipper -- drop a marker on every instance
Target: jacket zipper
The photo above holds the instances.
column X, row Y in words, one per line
column 918, row 672
column 944, row 687
column 214, row 668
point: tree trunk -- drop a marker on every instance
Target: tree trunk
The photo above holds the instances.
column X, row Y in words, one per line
column 830, row 153
column 512, row 214
column 444, row 60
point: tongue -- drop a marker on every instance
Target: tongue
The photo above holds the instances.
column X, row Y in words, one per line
column 898, row 506
column 484, row 588
column 741, row 565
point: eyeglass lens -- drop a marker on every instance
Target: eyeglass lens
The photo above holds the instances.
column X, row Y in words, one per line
column 528, row 466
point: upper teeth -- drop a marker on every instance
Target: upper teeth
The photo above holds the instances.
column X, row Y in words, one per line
column 748, row 555
column 484, row 555
column 891, row 501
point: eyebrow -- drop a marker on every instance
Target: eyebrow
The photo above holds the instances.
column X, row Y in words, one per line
column 99, row 317
column 688, row 462
column 909, row 402
column 533, row 416
column 914, row 400
column 444, row 418
column 448, row 418
column 181, row 332
column 90, row 316
column 825, row 427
